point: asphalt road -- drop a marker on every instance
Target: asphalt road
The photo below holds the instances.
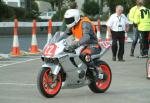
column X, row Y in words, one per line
column 129, row 85
column 6, row 42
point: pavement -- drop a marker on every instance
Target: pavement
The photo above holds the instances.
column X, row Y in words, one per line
column 18, row 78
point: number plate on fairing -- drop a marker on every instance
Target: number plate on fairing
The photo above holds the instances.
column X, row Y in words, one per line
column 50, row 50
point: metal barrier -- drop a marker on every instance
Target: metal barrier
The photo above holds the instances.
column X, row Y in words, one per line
column 40, row 24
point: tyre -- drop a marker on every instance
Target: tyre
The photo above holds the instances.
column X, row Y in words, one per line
column 45, row 83
column 101, row 85
column 148, row 68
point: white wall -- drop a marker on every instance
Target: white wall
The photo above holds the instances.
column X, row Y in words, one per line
column 14, row 3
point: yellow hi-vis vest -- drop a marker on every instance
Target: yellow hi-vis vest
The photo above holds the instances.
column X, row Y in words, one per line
column 142, row 19
column 132, row 13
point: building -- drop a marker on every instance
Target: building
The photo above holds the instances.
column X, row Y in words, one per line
column 15, row 3
column 44, row 6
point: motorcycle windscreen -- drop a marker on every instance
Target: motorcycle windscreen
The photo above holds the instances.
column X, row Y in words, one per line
column 56, row 37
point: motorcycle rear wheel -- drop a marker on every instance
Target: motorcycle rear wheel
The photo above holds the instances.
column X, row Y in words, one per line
column 100, row 86
column 44, row 83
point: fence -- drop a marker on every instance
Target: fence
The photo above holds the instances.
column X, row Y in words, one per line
column 17, row 52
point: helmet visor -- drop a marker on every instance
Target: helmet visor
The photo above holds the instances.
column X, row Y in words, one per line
column 69, row 20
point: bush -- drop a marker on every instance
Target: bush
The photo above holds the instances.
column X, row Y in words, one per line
column 57, row 16
column 19, row 12
column 29, row 16
column 6, row 12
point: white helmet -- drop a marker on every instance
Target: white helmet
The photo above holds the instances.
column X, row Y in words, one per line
column 72, row 16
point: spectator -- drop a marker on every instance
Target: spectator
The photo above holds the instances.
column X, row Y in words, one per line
column 142, row 19
column 132, row 13
column 117, row 25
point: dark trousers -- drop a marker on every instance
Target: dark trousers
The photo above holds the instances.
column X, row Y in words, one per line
column 135, row 39
column 118, row 37
column 91, row 49
column 144, row 42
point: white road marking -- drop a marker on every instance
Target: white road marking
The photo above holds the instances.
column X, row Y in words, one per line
column 6, row 61
column 5, row 65
column 18, row 84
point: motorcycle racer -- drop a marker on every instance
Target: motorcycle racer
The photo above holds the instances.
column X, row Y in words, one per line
column 83, row 31
column 66, row 69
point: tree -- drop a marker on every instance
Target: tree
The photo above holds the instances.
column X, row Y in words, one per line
column 6, row 12
column 31, row 5
column 147, row 4
column 101, row 4
column 126, row 3
column 112, row 4
column 54, row 3
column 31, row 9
column 62, row 5
column 90, row 8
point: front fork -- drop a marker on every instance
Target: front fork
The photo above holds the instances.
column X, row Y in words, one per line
column 55, row 69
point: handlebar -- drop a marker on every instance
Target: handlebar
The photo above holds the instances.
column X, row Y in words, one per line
column 69, row 50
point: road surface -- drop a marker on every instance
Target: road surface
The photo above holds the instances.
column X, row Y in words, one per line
column 129, row 85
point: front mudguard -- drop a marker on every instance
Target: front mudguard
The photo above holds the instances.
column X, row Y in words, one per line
column 55, row 68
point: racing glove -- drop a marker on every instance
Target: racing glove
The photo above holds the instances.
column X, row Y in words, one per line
column 72, row 47
column 75, row 45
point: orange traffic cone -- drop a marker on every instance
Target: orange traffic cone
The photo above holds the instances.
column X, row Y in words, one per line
column 49, row 31
column 34, row 47
column 107, row 36
column 98, row 31
column 15, row 49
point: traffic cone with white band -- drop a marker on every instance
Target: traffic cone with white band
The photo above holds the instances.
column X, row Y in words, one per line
column 49, row 31
column 34, row 46
column 15, row 49
column 98, row 31
column 107, row 36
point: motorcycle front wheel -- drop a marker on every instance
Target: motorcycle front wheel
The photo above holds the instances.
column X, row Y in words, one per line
column 101, row 85
column 47, row 87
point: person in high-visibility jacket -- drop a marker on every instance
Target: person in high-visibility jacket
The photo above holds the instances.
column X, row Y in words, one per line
column 84, row 33
column 142, row 19
column 131, row 17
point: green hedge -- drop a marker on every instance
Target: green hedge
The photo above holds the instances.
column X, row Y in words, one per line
column 8, row 13
column 5, row 12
